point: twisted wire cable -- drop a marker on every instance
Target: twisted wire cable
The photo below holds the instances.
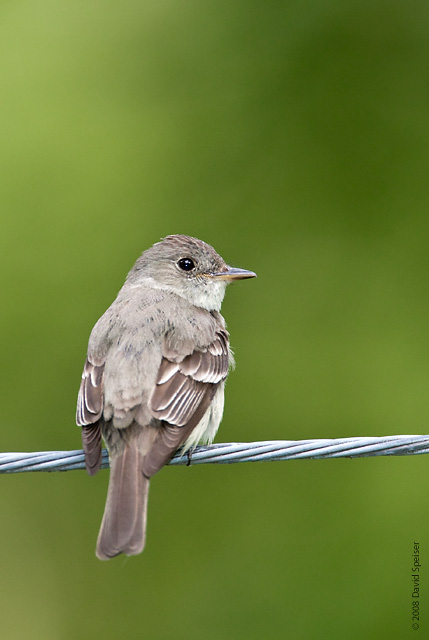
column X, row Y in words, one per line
column 227, row 453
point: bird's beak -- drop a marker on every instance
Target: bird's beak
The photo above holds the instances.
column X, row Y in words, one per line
column 231, row 274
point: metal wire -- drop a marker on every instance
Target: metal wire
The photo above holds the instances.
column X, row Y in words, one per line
column 227, row 453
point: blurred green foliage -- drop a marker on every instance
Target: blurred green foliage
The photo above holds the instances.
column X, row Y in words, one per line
column 293, row 137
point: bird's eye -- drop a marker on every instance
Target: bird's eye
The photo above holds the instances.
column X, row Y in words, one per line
column 186, row 264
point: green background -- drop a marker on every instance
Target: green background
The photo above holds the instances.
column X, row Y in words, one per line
column 293, row 137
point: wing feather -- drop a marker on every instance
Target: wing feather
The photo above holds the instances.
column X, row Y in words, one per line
column 182, row 380
column 170, row 437
column 166, row 371
column 90, row 403
column 90, row 399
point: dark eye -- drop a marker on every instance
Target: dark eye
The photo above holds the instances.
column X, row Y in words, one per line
column 186, row 264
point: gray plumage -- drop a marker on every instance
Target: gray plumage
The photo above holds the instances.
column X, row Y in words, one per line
column 154, row 377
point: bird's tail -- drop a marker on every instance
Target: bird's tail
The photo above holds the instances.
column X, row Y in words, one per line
column 123, row 527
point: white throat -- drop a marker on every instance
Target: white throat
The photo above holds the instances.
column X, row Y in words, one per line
column 208, row 296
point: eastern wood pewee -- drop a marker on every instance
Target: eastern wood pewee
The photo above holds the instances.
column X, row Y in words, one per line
column 154, row 377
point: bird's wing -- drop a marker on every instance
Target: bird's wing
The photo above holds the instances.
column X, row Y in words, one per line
column 182, row 380
column 184, row 389
column 90, row 405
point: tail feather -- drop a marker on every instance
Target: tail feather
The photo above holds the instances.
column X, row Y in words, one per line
column 123, row 527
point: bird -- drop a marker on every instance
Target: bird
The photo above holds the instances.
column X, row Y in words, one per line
column 154, row 377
